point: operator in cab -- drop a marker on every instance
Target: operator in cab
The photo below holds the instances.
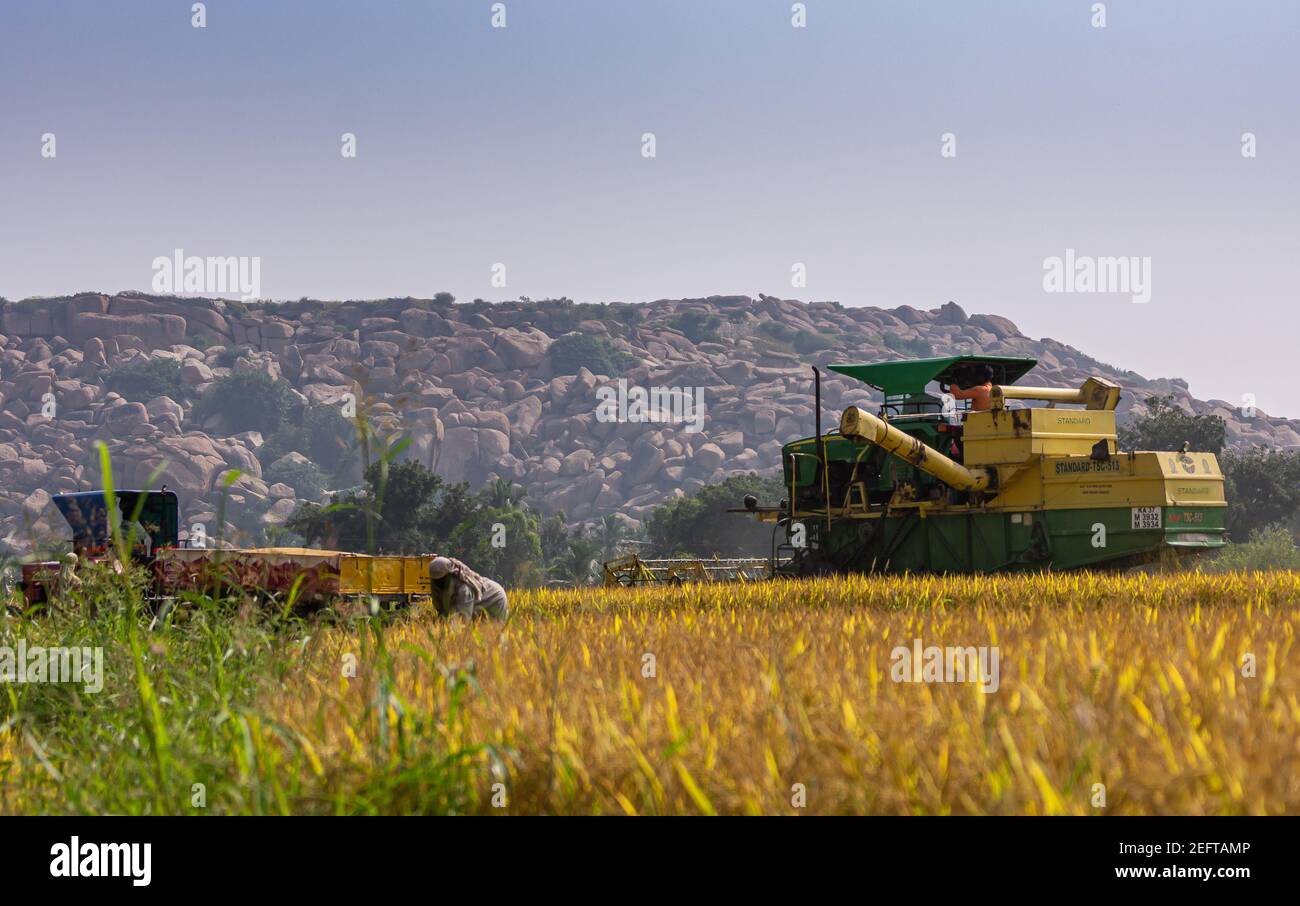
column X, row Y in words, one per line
column 975, row 385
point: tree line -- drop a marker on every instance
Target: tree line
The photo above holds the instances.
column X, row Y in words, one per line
column 404, row 508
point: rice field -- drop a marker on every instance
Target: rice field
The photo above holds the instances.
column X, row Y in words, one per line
column 1140, row 694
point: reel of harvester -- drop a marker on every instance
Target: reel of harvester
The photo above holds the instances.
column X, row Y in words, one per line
column 634, row 570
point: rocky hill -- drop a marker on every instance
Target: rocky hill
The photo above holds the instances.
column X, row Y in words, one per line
column 479, row 388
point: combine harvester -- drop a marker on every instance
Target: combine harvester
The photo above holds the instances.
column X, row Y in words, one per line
column 926, row 486
column 303, row 575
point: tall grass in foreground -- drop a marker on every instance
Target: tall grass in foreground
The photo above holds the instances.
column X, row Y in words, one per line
column 180, row 726
column 704, row 699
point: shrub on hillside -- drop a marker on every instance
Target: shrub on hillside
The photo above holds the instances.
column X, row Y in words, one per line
column 306, row 478
column 575, row 351
column 248, row 401
column 228, row 355
column 698, row 326
column 146, row 379
column 325, row 436
column 802, row 340
column 809, row 341
column 782, row 333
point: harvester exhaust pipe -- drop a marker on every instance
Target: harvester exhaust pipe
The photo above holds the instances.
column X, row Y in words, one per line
column 821, row 444
column 858, row 424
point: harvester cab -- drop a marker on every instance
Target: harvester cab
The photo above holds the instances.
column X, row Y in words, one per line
column 908, row 387
column 930, row 484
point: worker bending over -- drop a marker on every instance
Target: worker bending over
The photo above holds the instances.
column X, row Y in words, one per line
column 458, row 591
column 977, row 387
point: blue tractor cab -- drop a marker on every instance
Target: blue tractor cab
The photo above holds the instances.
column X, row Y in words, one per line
column 86, row 512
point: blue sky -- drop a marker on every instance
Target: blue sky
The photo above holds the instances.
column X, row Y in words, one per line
column 774, row 145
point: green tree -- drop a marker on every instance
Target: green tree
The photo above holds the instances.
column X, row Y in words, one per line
column 1167, row 427
column 1262, row 485
column 580, row 562
column 610, row 537
column 502, row 543
column 625, row 313
column 554, row 536
column 699, row 525
column 1263, row 489
column 416, row 513
column 571, row 557
column 503, row 494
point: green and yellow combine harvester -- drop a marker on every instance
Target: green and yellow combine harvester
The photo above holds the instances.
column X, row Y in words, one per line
column 929, row 485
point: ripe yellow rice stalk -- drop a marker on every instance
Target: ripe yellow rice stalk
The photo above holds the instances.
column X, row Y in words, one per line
column 1116, row 694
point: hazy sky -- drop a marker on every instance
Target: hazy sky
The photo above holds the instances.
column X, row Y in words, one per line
column 774, row 145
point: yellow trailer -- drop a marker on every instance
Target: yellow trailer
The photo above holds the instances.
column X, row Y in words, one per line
column 309, row 574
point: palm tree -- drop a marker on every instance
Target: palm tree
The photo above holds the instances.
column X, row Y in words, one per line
column 582, row 560
column 611, row 534
column 503, row 494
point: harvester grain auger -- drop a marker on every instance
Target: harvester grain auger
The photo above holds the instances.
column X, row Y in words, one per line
column 925, row 485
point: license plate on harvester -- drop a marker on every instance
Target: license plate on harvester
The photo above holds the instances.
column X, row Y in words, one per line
column 1146, row 517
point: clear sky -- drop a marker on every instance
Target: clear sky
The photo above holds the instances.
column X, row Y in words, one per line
column 774, row 145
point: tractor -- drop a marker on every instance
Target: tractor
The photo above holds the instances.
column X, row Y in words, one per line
column 149, row 527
